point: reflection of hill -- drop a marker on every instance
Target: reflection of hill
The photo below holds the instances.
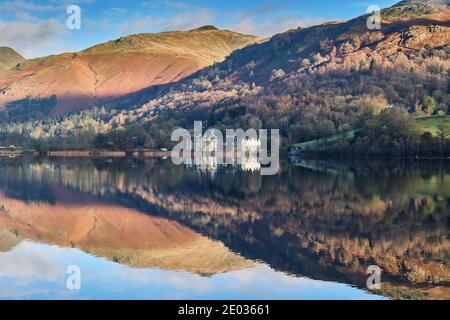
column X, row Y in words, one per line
column 308, row 223
column 309, row 241
column 116, row 233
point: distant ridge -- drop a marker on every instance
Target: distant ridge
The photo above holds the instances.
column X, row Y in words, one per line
column 9, row 58
column 205, row 28
column 119, row 67
column 430, row 3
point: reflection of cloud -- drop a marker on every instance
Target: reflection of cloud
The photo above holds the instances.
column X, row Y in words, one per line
column 24, row 261
column 40, row 273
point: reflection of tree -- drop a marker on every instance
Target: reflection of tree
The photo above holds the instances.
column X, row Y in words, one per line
column 325, row 222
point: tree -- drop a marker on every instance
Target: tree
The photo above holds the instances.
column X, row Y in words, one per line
column 444, row 130
column 279, row 73
column 443, row 133
column 392, row 132
column 429, row 104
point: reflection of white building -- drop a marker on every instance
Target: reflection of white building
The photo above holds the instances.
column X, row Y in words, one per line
column 250, row 164
column 206, row 164
column 209, row 164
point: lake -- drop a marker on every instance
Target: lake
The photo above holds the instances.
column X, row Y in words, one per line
column 80, row 228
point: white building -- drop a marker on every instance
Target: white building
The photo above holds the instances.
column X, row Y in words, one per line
column 209, row 144
column 251, row 145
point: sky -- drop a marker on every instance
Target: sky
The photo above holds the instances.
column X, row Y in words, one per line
column 38, row 27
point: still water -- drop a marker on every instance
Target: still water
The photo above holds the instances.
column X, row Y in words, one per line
column 145, row 229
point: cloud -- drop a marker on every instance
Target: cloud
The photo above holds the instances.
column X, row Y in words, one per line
column 269, row 19
column 181, row 21
column 274, row 25
column 262, row 10
column 32, row 37
column 36, row 28
column 20, row 6
column 177, row 5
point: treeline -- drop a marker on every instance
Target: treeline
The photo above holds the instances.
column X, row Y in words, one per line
column 135, row 136
column 394, row 133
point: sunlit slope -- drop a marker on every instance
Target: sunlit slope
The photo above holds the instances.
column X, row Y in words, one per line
column 118, row 67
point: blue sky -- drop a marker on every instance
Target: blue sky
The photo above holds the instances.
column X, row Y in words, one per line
column 36, row 28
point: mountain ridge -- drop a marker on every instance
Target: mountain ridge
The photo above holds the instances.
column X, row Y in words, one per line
column 308, row 82
column 118, row 67
column 330, row 75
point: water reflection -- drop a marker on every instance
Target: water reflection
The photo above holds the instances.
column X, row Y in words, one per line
column 324, row 221
column 211, row 164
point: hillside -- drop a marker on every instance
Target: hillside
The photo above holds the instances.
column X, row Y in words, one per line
column 9, row 58
column 310, row 83
column 319, row 81
column 112, row 69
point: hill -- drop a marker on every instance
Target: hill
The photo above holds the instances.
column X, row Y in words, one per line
column 315, row 82
column 9, row 58
column 129, row 64
column 310, row 83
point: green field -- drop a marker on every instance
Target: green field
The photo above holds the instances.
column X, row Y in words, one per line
column 430, row 123
column 311, row 145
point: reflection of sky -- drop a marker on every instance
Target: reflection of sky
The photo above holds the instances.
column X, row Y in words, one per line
column 36, row 271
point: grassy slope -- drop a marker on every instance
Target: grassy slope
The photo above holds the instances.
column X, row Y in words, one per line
column 117, row 68
column 313, row 143
column 430, row 123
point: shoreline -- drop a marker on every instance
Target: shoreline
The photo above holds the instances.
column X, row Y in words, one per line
column 87, row 153
column 168, row 154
